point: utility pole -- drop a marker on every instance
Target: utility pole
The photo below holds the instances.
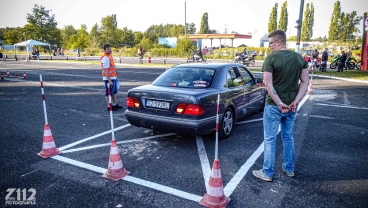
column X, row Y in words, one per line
column 185, row 17
column 299, row 26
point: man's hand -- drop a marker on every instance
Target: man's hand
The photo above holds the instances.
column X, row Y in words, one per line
column 111, row 83
column 284, row 108
column 293, row 106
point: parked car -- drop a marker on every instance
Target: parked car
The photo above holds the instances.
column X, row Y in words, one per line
column 184, row 99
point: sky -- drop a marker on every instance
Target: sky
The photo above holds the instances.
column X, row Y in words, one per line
column 241, row 16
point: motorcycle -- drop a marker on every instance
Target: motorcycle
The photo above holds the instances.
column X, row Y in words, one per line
column 245, row 59
column 359, row 65
column 335, row 62
column 196, row 57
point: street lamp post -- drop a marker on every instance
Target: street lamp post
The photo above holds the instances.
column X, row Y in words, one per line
column 299, row 26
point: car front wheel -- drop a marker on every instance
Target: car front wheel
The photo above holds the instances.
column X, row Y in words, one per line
column 227, row 124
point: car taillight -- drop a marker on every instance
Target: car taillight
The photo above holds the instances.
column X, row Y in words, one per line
column 190, row 109
column 132, row 102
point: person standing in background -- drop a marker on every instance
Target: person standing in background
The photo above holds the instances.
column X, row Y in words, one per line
column 324, row 60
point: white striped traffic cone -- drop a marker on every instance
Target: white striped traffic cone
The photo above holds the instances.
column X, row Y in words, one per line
column 310, row 88
column 24, row 75
column 16, row 74
column 116, row 170
column 48, row 147
column 7, row 73
column 215, row 196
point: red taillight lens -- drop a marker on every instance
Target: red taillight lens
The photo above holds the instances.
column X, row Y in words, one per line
column 132, row 102
column 191, row 109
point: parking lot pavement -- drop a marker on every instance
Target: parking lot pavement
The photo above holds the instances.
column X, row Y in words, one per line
column 170, row 170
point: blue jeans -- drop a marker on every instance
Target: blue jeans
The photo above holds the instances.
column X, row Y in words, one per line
column 272, row 118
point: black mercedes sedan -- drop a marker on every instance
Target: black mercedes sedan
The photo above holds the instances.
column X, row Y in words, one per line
column 184, row 99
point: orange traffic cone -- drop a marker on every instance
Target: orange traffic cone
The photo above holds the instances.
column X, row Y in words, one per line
column 116, row 170
column 215, row 196
column 24, row 75
column 48, row 147
column 16, row 74
column 310, row 89
column 7, row 73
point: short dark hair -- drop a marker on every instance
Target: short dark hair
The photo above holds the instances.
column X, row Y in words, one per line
column 106, row 46
column 278, row 35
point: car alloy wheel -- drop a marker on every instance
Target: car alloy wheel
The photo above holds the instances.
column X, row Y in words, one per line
column 227, row 123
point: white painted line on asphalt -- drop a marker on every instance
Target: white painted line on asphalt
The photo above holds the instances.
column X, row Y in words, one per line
column 345, row 79
column 120, row 142
column 92, row 137
column 325, row 117
column 233, row 183
column 206, row 168
column 132, row 179
column 342, row 106
column 249, row 121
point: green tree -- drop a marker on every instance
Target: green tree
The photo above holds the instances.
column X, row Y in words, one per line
column 205, row 28
column 79, row 40
column 42, row 26
column 308, row 22
column 283, row 22
column 127, row 36
column 333, row 33
column 14, row 35
column 95, row 37
column 191, row 28
column 272, row 22
column 184, row 47
column 138, row 36
column 66, row 33
column 348, row 25
column 108, row 30
column 146, row 44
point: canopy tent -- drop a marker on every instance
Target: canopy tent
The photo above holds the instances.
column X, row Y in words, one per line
column 31, row 43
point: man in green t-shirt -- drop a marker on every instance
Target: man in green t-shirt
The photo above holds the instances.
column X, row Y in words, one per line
column 283, row 69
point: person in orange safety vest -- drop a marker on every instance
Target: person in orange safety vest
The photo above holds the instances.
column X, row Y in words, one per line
column 109, row 75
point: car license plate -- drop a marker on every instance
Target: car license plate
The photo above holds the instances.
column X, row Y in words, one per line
column 157, row 104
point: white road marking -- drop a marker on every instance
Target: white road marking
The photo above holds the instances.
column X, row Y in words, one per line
column 249, row 121
column 92, row 137
column 206, row 168
column 132, row 179
column 233, row 183
column 325, row 117
column 28, row 173
column 120, row 142
column 342, row 106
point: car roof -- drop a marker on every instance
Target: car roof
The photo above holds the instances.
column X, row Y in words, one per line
column 207, row 65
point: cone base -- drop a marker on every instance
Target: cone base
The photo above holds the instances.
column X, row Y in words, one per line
column 45, row 155
column 219, row 204
column 115, row 177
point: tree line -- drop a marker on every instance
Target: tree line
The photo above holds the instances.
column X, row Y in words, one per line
column 42, row 26
column 342, row 27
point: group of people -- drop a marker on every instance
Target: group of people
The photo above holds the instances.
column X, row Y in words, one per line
column 344, row 59
column 58, row 52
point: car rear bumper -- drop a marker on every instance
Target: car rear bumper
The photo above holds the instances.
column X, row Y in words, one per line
column 176, row 125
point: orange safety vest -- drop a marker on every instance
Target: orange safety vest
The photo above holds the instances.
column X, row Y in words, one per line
column 112, row 68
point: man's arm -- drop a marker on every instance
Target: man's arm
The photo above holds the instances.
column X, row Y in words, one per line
column 267, row 77
column 303, row 87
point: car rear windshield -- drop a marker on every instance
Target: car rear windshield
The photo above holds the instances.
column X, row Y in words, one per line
column 190, row 77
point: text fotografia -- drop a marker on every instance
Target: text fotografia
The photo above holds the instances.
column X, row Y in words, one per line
column 17, row 196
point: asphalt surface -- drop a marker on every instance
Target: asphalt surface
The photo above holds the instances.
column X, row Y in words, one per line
column 168, row 170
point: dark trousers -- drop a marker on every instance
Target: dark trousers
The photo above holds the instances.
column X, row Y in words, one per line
column 341, row 66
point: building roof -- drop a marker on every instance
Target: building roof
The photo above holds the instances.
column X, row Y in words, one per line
column 217, row 36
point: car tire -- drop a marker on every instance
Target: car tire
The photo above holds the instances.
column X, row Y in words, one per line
column 227, row 124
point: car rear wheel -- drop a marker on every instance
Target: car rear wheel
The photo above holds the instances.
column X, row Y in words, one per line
column 227, row 124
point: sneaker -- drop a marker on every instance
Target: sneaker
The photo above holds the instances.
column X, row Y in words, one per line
column 260, row 174
column 117, row 106
column 290, row 174
column 113, row 109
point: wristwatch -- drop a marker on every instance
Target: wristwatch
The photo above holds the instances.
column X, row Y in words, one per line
column 278, row 105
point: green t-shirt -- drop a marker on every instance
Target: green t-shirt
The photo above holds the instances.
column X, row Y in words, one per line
column 285, row 66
